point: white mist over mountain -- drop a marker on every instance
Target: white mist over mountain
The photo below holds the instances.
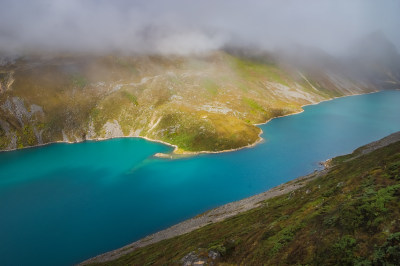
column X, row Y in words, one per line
column 183, row 27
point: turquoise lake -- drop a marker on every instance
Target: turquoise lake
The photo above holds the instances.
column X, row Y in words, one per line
column 64, row 203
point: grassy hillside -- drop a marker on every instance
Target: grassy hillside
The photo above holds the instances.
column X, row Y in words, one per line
column 208, row 102
column 348, row 216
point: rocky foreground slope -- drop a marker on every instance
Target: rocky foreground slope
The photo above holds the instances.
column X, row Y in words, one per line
column 347, row 214
column 199, row 103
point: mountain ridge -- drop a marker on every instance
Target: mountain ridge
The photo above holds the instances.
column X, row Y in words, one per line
column 197, row 103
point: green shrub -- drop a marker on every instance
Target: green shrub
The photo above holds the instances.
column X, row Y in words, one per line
column 389, row 252
column 343, row 250
column 79, row 81
column 132, row 98
column 394, row 170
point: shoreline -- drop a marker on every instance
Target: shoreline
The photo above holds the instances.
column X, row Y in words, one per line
column 211, row 216
column 174, row 155
column 231, row 209
column 260, row 139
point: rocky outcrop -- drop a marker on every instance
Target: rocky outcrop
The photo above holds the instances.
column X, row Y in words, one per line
column 6, row 81
column 201, row 257
column 112, row 130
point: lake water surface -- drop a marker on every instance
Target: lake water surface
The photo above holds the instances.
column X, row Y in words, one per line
column 64, row 203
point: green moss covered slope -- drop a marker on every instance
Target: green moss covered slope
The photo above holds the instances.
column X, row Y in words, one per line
column 199, row 103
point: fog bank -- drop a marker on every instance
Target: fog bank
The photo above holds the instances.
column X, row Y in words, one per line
column 183, row 27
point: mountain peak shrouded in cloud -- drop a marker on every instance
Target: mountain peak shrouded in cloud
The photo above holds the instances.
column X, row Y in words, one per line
column 184, row 27
column 375, row 45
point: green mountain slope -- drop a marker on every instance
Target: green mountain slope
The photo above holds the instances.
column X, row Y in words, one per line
column 349, row 215
column 199, row 103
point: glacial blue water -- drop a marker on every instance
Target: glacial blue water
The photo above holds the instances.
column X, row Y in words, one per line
column 64, row 203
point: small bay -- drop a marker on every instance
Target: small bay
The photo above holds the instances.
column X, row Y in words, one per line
column 63, row 203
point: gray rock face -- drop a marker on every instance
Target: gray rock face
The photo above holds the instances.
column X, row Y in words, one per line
column 113, row 129
column 5, row 126
column 17, row 108
column 200, row 258
column 91, row 133
column 214, row 255
column 38, row 135
column 13, row 142
column 191, row 259
column 6, row 80
column 36, row 109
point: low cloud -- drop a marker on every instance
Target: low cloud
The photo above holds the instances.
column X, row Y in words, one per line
column 184, row 26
